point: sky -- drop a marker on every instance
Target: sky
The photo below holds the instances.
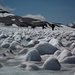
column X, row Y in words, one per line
column 59, row 11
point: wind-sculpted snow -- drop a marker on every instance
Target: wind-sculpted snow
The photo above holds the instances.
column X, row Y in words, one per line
column 3, row 35
column 73, row 51
column 69, row 60
column 55, row 42
column 57, row 53
column 23, row 51
column 32, row 43
column 33, row 55
column 37, row 49
column 51, row 64
column 6, row 43
column 1, row 65
column 15, row 45
column 65, row 53
column 29, row 66
column 45, row 48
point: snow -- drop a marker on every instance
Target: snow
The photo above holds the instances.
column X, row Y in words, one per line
column 13, row 19
column 6, row 14
column 14, row 25
column 62, row 40
column 20, row 20
column 52, row 64
column 56, row 43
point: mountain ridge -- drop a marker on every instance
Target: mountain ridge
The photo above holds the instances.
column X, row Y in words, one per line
column 9, row 19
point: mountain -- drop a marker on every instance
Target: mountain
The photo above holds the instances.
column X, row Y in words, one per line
column 9, row 19
column 72, row 25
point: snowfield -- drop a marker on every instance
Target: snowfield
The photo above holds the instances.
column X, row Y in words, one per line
column 35, row 49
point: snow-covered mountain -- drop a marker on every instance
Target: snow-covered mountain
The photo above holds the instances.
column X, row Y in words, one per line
column 72, row 25
column 9, row 19
column 6, row 14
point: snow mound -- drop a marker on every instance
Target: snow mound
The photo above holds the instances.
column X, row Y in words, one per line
column 33, row 55
column 57, row 53
column 6, row 42
column 56, row 43
column 1, row 65
column 22, row 52
column 29, row 66
column 69, row 60
column 15, row 45
column 32, row 43
column 65, row 53
column 3, row 36
column 45, row 48
column 51, row 64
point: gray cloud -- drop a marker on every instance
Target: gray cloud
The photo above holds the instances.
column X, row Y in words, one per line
column 7, row 8
column 35, row 16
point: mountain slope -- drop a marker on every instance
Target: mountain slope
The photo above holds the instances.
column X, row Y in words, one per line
column 9, row 19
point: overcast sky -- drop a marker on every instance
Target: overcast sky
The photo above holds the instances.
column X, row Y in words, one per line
column 61, row 11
